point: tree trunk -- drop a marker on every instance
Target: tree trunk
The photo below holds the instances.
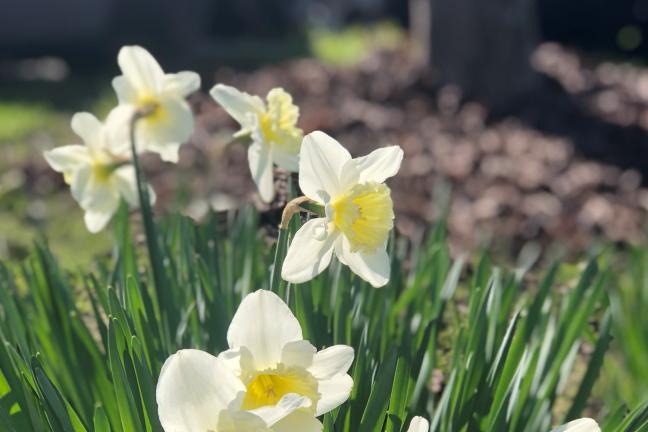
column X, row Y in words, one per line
column 484, row 47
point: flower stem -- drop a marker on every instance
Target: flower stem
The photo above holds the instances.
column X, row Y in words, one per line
column 299, row 204
column 152, row 245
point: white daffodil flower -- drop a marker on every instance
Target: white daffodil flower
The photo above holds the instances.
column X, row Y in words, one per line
column 272, row 360
column 272, row 126
column 359, row 211
column 419, row 424
column 98, row 177
column 197, row 392
column 144, row 86
column 580, row 425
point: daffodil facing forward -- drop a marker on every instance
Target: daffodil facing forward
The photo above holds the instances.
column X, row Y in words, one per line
column 272, row 360
column 197, row 392
column 580, row 425
column 272, row 127
column 358, row 211
column 97, row 173
column 167, row 120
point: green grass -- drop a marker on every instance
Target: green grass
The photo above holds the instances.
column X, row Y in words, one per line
column 350, row 45
column 81, row 351
column 19, row 119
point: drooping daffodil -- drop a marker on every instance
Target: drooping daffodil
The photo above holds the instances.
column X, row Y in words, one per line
column 358, row 207
column 581, row 425
column 99, row 172
column 143, row 86
column 197, row 392
column 419, row 424
column 272, row 127
column 272, row 360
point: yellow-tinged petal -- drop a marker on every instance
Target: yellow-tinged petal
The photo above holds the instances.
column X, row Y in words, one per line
column 270, row 386
column 365, row 215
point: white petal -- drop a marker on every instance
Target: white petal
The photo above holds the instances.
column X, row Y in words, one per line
column 125, row 182
column 298, row 353
column 263, row 324
column 580, row 425
column 95, row 221
column 332, row 361
column 67, row 158
column 285, row 159
column 232, row 359
column 320, row 165
column 169, row 152
column 309, row 252
column 240, row 421
column 298, row 421
column 193, row 389
column 260, row 162
column 238, row 104
column 117, row 129
column 380, row 164
column 374, row 268
column 126, row 93
column 89, row 128
column 162, row 133
column 419, row 424
column 182, row 83
column 140, row 69
column 92, row 194
column 288, row 404
column 334, row 392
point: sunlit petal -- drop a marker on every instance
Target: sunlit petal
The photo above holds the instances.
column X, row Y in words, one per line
column 140, row 69
column 181, row 84
column 380, row 164
column 193, row 389
column 419, row 424
column 332, row 361
column 334, row 392
column 238, row 104
column 320, row 165
column 309, row 252
column 263, row 324
column 374, row 268
column 580, row 425
column 260, row 162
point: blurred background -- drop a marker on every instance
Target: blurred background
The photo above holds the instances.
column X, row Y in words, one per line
column 524, row 120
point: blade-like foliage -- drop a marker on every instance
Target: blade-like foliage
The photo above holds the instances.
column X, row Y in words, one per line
column 466, row 344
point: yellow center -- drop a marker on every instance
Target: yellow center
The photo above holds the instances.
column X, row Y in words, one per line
column 152, row 108
column 365, row 215
column 268, row 387
column 102, row 172
column 278, row 123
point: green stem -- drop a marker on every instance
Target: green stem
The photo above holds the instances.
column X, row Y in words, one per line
column 152, row 245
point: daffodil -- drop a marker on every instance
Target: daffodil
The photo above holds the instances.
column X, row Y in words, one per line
column 98, row 172
column 197, row 392
column 358, row 207
column 580, row 425
column 144, row 87
column 272, row 360
column 272, row 127
column 419, row 424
